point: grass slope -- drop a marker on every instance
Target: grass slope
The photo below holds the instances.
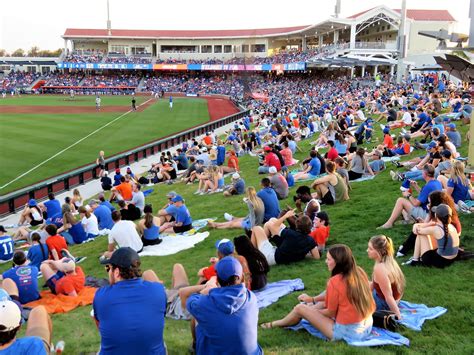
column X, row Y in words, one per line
column 63, row 100
column 353, row 223
column 28, row 140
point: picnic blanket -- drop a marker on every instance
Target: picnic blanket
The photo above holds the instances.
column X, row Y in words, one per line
column 377, row 337
column 62, row 303
column 275, row 290
column 173, row 244
column 147, row 192
column 294, row 172
column 414, row 315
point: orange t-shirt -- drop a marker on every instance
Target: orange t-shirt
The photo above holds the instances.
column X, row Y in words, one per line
column 207, row 140
column 69, row 283
column 125, row 189
column 57, row 243
column 388, row 141
column 211, row 271
column 320, row 234
column 233, row 162
column 337, row 301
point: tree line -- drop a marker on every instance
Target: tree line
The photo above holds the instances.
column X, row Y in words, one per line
column 33, row 52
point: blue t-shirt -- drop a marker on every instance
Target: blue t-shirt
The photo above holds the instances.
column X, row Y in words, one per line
column 240, row 186
column 315, row 165
column 424, row 118
column 290, row 180
column 108, row 205
column 77, row 233
column 131, row 316
column 181, row 214
column 104, row 217
column 26, row 280
column 37, row 254
column 432, row 185
column 25, row 346
column 220, row 155
column 460, row 191
column 117, row 178
column 182, row 160
column 53, row 207
column 270, row 201
column 56, row 219
column 227, row 321
column 6, row 248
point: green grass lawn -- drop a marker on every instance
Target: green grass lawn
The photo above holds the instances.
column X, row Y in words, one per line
column 353, row 223
column 29, row 139
column 63, row 100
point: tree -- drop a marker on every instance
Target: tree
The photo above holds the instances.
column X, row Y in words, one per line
column 3, row 52
column 34, row 51
column 18, row 53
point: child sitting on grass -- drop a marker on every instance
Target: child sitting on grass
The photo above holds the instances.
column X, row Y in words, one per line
column 320, row 233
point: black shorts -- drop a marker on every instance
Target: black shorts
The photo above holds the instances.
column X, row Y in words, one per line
column 101, row 166
column 147, row 242
column 353, row 175
column 327, row 199
column 432, row 258
column 182, row 229
column 35, row 222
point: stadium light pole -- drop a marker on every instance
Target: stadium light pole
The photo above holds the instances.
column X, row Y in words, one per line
column 401, row 42
column 109, row 24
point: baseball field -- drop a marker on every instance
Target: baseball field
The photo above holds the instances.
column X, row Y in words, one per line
column 43, row 136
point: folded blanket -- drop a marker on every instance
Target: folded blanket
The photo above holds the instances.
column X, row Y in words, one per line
column 62, row 303
column 414, row 315
column 275, row 290
column 377, row 337
column 173, row 244
column 364, row 178
column 147, row 192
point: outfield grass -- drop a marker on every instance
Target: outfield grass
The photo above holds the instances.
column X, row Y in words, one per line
column 29, row 139
column 64, row 100
column 353, row 223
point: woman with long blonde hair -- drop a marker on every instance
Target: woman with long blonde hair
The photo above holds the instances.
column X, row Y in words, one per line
column 254, row 218
column 388, row 281
column 345, row 310
column 458, row 185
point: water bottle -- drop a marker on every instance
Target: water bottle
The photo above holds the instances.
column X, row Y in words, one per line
column 60, row 347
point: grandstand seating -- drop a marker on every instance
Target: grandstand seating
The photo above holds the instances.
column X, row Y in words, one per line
column 17, row 80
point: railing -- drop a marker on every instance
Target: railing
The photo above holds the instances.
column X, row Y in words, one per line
column 13, row 201
column 376, row 45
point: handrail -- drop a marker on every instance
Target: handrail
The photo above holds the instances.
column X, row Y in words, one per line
column 15, row 200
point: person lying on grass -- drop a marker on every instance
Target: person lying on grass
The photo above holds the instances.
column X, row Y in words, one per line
column 63, row 276
column 344, row 311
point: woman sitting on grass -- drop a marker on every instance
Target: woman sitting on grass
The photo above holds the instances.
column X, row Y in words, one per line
column 446, row 236
column 388, row 281
column 345, row 310
column 89, row 222
column 254, row 218
column 331, row 188
column 72, row 230
column 359, row 165
column 149, row 227
column 458, row 185
column 76, row 199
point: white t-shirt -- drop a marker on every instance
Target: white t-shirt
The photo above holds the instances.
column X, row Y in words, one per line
column 406, row 118
column 91, row 225
column 124, row 234
column 360, row 115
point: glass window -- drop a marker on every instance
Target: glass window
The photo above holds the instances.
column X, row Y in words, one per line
column 218, row 49
column 245, row 48
column 227, row 48
column 206, row 49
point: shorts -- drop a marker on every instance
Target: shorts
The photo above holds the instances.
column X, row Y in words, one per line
column 34, row 222
column 432, row 258
column 53, row 280
column 352, row 332
column 380, row 303
column 418, row 212
column 182, row 229
column 101, row 166
column 147, row 242
column 174, row 308
column 245, row 224
column 327, row 199
column 268, row 250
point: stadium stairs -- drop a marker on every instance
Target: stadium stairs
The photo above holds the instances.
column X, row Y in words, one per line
column 37, row 84
column 141, row 84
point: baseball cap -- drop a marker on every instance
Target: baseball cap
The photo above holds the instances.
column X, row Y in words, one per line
column 404, row 108
column 407, row 137
column 431, row 145
column 177, row 198
column 203, row 149
column 129, row 168
column 386, row 130
column 117, row 171
column 200, row 161
column 228, row 267
column 446, row 153
column 452, row 126
column 225, row 247
column 272, row 170
column 171, row 194
column 10, row 315
column 123, row 257
column 442, row 210
column 235, row 176
column 267, row 149
column 32, row 202
column 2, row 229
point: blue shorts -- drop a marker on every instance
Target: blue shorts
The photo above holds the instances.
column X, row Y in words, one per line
column 246, row 224
column 380, row 303
column 51, row 283
column 352, row 332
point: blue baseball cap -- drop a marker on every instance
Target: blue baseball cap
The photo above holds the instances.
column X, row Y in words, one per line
column 177, row 198
column 228, row 267
column 452, row 126
column 225, row 247
column 404, row 108
column 386, row 130
column 32, row 203
column 431, row 145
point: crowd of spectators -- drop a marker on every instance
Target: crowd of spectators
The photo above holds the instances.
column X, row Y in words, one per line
column 65, row 79
column 129, row 80
column 18, row 80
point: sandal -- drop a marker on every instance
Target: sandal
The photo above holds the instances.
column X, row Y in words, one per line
column 268, row 325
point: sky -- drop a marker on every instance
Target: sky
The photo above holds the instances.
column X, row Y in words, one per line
column 28, row 23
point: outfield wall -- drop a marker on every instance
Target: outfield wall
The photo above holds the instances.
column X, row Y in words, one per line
column 16, row 200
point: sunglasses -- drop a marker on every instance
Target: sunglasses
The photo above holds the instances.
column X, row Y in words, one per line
column 108, row 268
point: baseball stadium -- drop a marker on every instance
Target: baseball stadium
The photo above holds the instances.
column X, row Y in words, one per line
column 279, row 190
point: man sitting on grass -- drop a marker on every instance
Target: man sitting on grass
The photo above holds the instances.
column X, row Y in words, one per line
column 123, row 234
column 63, row 276
column 25, row 278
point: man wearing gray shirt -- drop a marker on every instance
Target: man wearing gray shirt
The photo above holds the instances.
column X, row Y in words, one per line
column 138, row 198
column 278, row 182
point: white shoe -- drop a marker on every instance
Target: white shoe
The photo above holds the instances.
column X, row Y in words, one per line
column 403, row 130
column 228, row 217
column 198, row 192
column 382, row 126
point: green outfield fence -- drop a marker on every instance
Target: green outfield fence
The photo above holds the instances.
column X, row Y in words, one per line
column 14, row 201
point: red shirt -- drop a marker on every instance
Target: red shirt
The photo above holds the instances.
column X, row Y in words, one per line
column 388, row 141
column 70, row 282
column 272, row 160
column 332, row 154
column 233, row 162
column 57, row 243
column 211, row 271
column 320, row 234
column 125, row 190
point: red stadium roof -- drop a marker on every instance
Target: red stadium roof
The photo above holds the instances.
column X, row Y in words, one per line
column 419, row 15
column 78, row 32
